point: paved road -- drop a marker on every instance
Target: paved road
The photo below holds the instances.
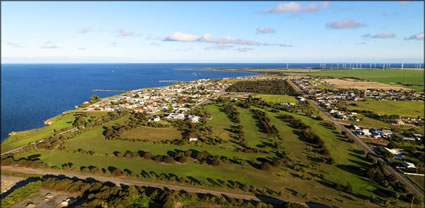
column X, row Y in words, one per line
column 119, row 180
column 209, row 98
column 364, row 146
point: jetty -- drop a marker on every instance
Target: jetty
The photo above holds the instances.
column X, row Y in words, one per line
column 99, row 90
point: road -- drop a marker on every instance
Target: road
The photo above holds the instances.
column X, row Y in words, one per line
column 209, row 98
column 364, row 146
column 120, row 180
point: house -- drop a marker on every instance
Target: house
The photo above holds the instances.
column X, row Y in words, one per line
column 386, row 132
column 399, row 122
column 157, row 119
column 355, row 127
column 193, row 139
column 396, row 152
column 409, row 139
column 194, row 119
column 366, row 132
column 408, row 165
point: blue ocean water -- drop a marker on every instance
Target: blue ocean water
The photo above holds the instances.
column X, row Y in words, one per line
column 32, row 93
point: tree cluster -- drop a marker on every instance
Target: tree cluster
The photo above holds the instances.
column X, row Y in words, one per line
column 278, row 87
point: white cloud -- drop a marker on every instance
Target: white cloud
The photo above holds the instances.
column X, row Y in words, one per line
column 179, row 36
column 125, row 33
column 86, row 30
column 265, row 30
column 380, row 36
column 15, row 45
column 293, row 7
column 220, row 41
column 49, row 45
column 419, row 36
column 345, row 24
column 244, row 49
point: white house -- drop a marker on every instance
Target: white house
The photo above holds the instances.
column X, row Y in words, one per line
column 193, row 139
column 366, row 132
column 408, row 165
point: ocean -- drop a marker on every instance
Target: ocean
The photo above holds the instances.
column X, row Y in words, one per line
column 32, row 93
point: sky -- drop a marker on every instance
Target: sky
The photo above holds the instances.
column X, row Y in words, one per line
column 212, row 32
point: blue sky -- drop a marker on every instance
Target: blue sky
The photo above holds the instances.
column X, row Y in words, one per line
column 152, row 32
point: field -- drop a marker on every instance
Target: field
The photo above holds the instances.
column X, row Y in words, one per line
column 276, row 98
column 362, row 85
column 388, row 107
column 62, row 121
column 291, row 182
column 414, row 77
column 152, row 133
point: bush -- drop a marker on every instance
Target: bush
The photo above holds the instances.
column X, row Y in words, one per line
column 265, row 166
column 20, row 194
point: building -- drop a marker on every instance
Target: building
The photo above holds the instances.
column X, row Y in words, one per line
column 409, row 166
column 193, row 139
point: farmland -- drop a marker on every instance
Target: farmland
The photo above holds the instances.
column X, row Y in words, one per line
column 413, row 77
column 389, row 107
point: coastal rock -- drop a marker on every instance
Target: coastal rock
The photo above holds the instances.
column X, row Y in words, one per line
column 12, row 133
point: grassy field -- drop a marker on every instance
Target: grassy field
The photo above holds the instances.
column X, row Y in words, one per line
column 24, row 137
column 388, row 107
column 415, row 77
column 61, row 121
column 220, row 122
column 152, row 133
column 285, row 179
column 276, row 98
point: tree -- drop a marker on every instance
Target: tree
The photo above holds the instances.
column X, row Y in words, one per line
column 348, row 189
column 94, row 99
column 79, row 121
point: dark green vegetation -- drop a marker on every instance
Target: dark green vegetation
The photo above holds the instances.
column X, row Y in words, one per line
column 277, row 87
column 20, row 194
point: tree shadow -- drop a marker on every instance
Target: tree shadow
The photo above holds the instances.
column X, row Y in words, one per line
column 271, row 200
column 19, row 185
column 351, row 169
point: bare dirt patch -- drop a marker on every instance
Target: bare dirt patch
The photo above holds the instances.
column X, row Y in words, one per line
column 8, row 181
column 363, row 85
column 46, row 199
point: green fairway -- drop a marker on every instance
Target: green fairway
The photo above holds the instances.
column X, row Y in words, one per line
column 152, row 133
column 219, row 122
column 24, row 137
column 388, row 107
column 253, row 134
column 415, row 77
column 62, row 121
column 276, row 98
